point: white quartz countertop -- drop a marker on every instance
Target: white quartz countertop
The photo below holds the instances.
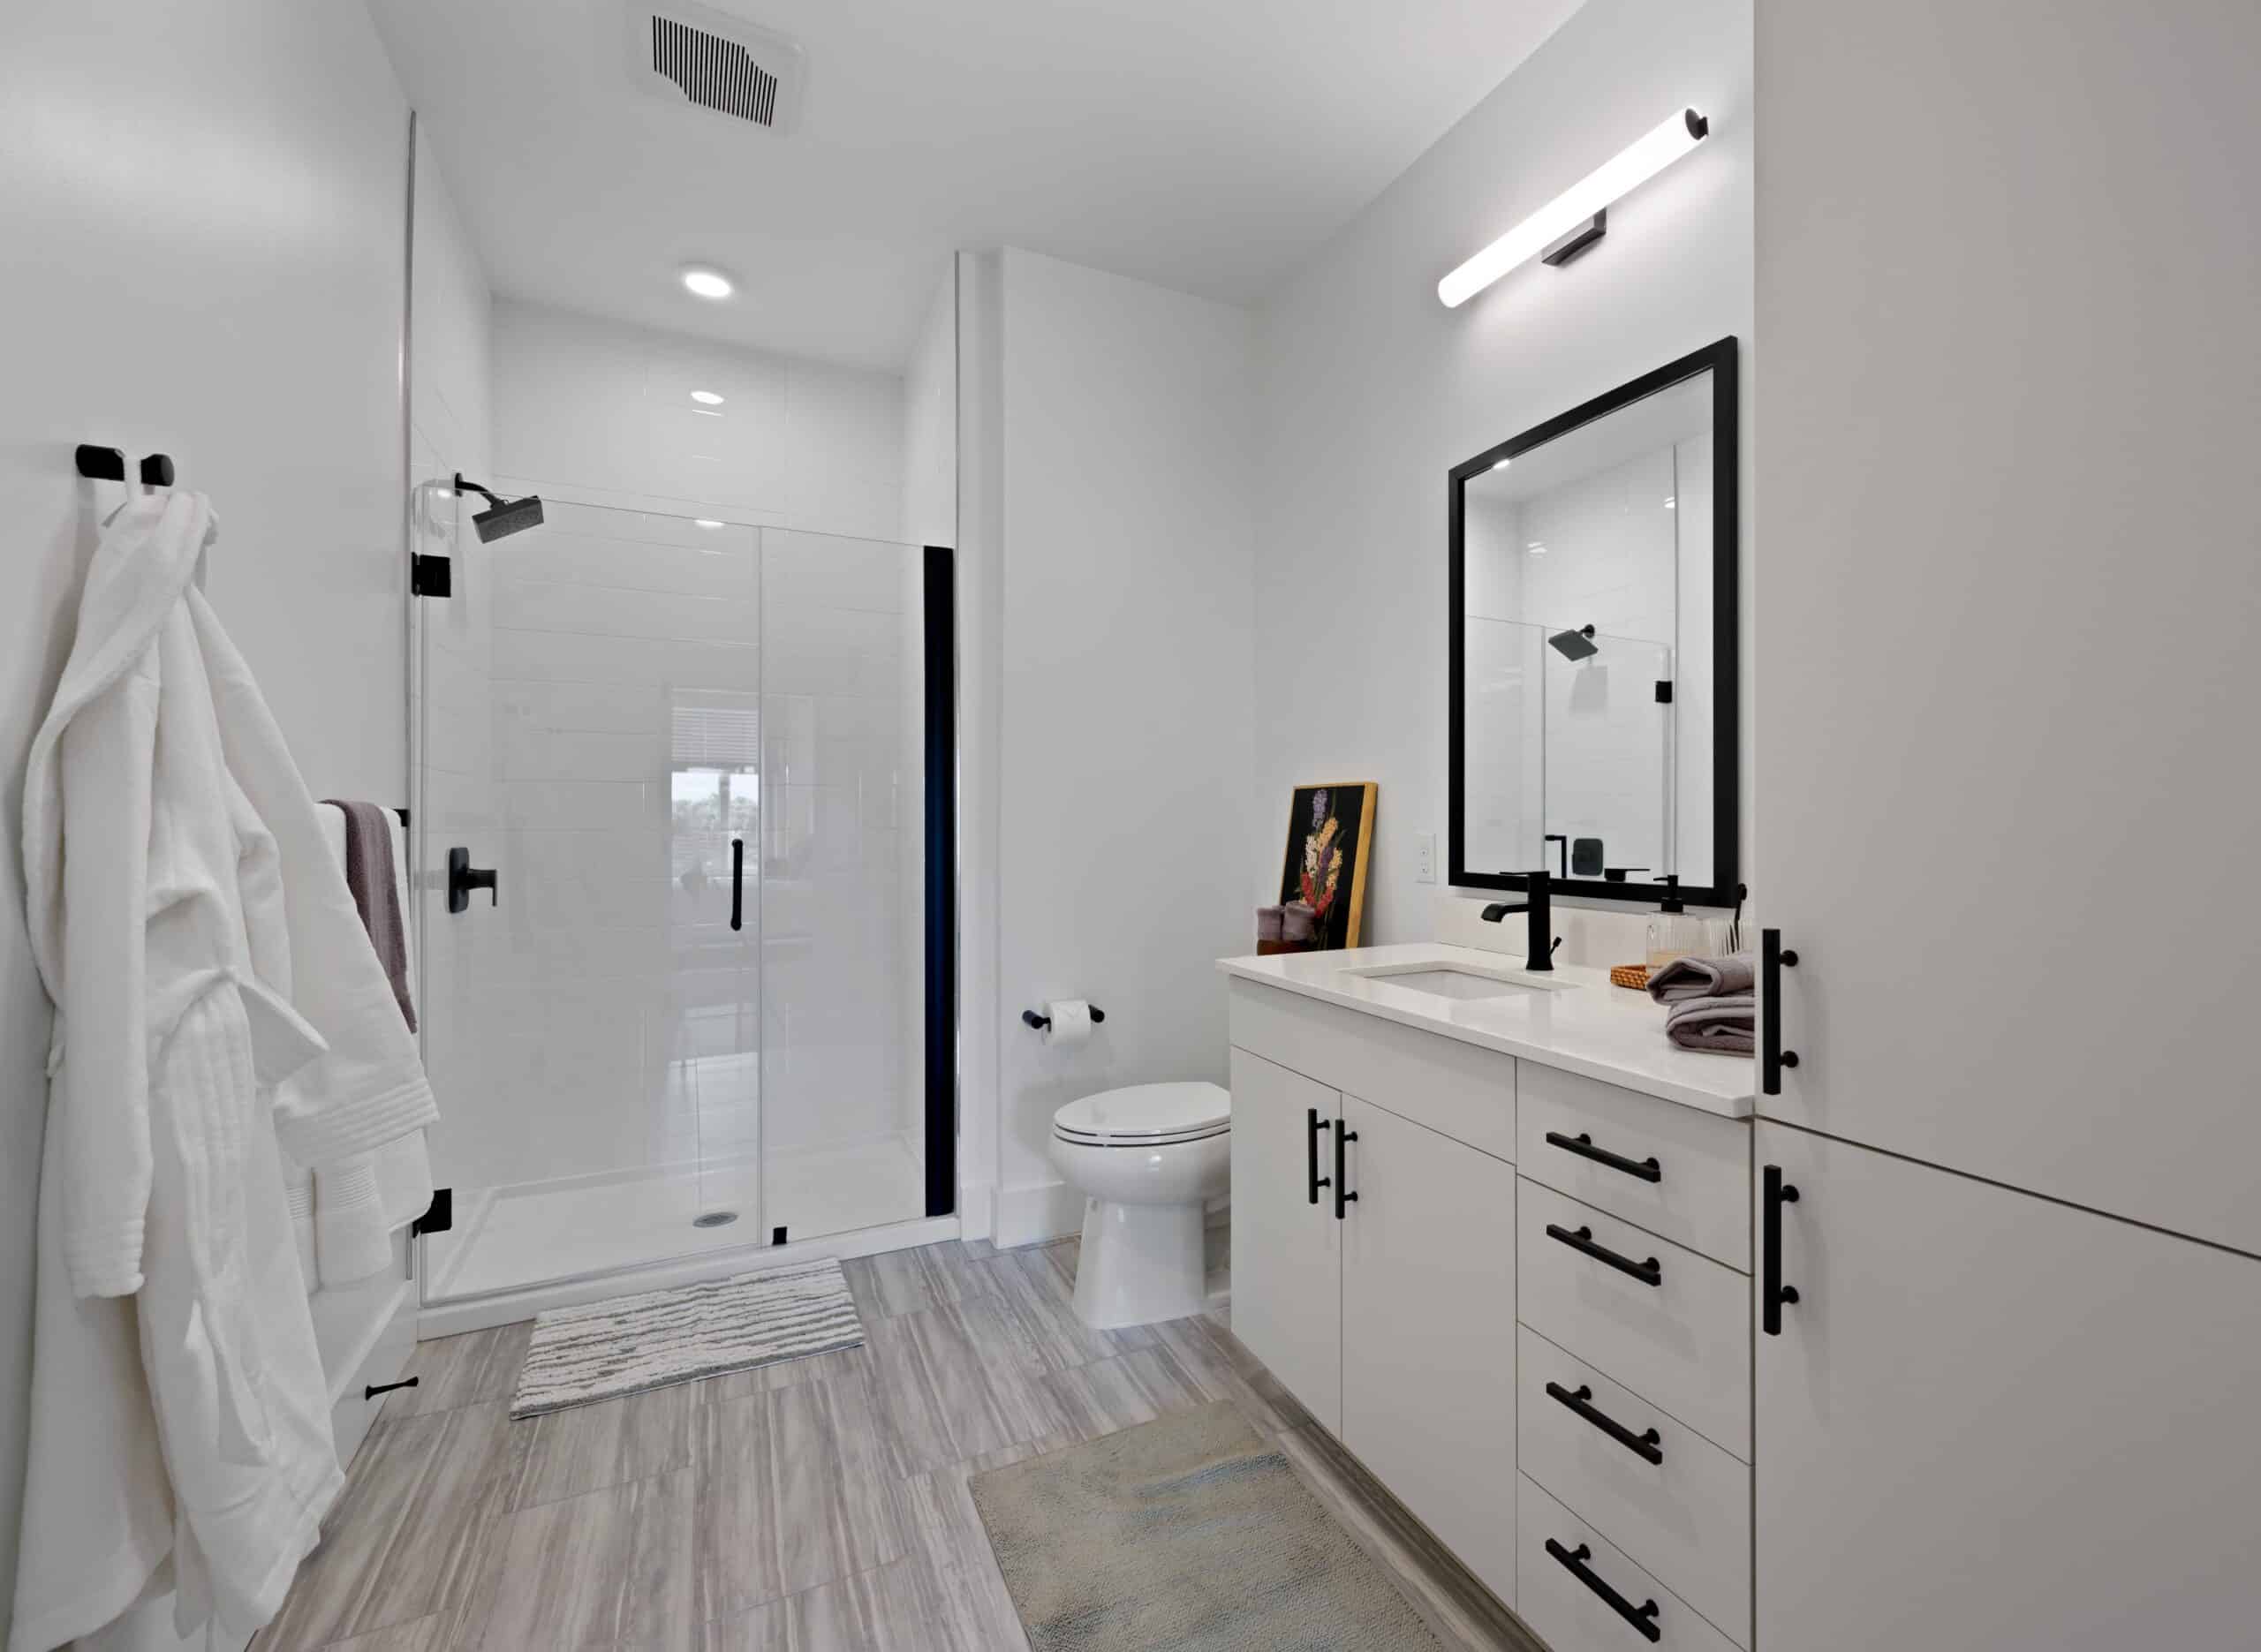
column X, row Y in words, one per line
column 1591, row 1026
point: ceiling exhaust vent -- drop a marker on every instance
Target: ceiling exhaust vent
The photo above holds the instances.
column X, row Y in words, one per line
column 695, row 56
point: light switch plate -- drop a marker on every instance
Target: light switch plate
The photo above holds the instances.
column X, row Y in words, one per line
column 1424, row 854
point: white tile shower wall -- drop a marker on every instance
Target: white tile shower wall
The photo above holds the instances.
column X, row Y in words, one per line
column 843, row 793
column 600, row 411
column 1371, row 390
column 606, row 1021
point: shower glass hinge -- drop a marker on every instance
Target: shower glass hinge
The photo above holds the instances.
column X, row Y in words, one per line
column 431, row 576
column 1664, row 690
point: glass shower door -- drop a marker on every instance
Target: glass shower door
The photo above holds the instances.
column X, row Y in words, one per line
column 843, row 885
column 588, row 711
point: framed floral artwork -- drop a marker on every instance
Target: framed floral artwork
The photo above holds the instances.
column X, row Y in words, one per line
column 1329, row 827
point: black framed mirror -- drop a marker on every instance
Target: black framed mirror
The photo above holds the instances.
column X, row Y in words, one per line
column 1594, row 722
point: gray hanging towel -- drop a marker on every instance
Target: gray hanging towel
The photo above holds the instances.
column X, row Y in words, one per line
column 369, row 875
column 1702, row 978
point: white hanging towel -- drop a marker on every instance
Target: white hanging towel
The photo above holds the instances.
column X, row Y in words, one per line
column 216, row 1005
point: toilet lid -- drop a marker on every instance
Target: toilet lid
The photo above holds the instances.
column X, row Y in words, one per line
column 1147, row 1115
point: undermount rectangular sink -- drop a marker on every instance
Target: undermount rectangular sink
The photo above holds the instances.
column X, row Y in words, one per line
column 1459, row 981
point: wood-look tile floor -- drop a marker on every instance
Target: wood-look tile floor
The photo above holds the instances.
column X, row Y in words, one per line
column 815, row 1506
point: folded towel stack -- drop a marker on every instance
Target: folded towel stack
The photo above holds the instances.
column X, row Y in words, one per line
column 1711, row 1003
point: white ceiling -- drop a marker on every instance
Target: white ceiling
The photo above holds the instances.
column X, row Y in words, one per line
column 1206, row 145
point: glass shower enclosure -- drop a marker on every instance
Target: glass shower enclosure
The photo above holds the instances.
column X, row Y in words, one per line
column 704, row 1006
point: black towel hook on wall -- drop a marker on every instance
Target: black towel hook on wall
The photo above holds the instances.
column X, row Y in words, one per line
column 108, row 465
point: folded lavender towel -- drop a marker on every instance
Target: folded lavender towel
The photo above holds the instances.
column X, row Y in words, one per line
column 1703, row 977
column 1726, row 1024
column 369, row 875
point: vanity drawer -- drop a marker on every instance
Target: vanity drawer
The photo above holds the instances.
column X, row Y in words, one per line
column 1685, row 1518
column 1701, row 1197
column 1455, row 1088
column 1682, row 1342
column 1569, row 1612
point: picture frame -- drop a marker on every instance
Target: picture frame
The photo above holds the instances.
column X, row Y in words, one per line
column 1330, row 834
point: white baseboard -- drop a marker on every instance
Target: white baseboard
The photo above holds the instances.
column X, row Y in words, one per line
column 1046, row 1209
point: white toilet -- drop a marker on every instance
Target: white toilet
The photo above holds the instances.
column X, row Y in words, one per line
column 1146, row 1159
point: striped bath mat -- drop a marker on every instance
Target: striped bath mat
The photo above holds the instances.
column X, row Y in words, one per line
column 604, row 1350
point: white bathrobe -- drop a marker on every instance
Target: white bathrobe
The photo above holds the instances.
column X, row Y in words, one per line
column 217, row 1006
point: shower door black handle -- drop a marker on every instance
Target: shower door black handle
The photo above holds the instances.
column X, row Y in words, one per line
column 738, row 883
column 463, row 878
column 1643, row 1616
column 1315, row 1127
column 1774, row 958
column 1773, row 1294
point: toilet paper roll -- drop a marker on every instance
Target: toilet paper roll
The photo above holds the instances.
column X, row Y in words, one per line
column 1071, row 1021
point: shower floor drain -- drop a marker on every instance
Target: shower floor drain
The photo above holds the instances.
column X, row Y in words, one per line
column 714, row 1218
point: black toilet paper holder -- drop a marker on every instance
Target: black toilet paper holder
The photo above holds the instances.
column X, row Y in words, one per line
column 1043, row 1023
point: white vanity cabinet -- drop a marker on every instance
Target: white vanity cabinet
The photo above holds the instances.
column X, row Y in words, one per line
column 1385, row 1248
column 1389, row 1314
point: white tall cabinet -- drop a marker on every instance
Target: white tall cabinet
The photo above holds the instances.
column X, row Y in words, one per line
column 2006, row 594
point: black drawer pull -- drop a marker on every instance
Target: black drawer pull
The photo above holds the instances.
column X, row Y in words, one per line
column 738, row 883
column 1343, row 1196
column 1311, row 1142
column 370, row 1390
column 1649, row 1272
column 1773, row 1294
column 1649, row 1445
column 1643, row 1616
column 1582, row 1144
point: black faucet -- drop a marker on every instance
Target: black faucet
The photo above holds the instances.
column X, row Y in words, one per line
column 1541, row 920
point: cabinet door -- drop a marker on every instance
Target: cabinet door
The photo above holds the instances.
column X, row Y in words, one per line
column 1287, row 1252
column 2005, row 595
column 1429, row 1333
column 1996, row 1423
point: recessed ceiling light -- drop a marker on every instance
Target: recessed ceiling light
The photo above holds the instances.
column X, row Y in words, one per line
column 704, row 521
column 1671, row 501
column 1536, row 548
column 1503, row 465
column 708, row 283
column 706, row 399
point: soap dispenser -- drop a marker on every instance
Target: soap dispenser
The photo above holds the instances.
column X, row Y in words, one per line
column 1672, row 933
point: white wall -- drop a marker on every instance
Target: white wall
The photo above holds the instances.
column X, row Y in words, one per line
column 1125, row 535
column 600, row 411
column 204, row 212
column 1371, row 390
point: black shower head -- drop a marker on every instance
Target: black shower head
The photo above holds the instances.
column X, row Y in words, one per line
column 1578, row 644
column 501, row 518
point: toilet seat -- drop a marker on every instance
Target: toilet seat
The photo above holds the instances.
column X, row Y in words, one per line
column 1145, row 1115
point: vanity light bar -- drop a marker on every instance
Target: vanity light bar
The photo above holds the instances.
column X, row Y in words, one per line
column 1671, row 139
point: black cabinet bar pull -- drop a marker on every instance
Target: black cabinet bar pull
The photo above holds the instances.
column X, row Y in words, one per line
column 370, row 1390
column 1772, row 1292
column 1774, row 958
column 1311, row 1151
column 1342, row 1195
column 1649, row 1272
column 1643, row 1616
column 1649, row 1445
column 738, row 883
column 1582, row 1144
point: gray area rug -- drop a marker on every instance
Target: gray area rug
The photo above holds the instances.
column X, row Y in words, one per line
column 604, row 1350
column 1186, row 1535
